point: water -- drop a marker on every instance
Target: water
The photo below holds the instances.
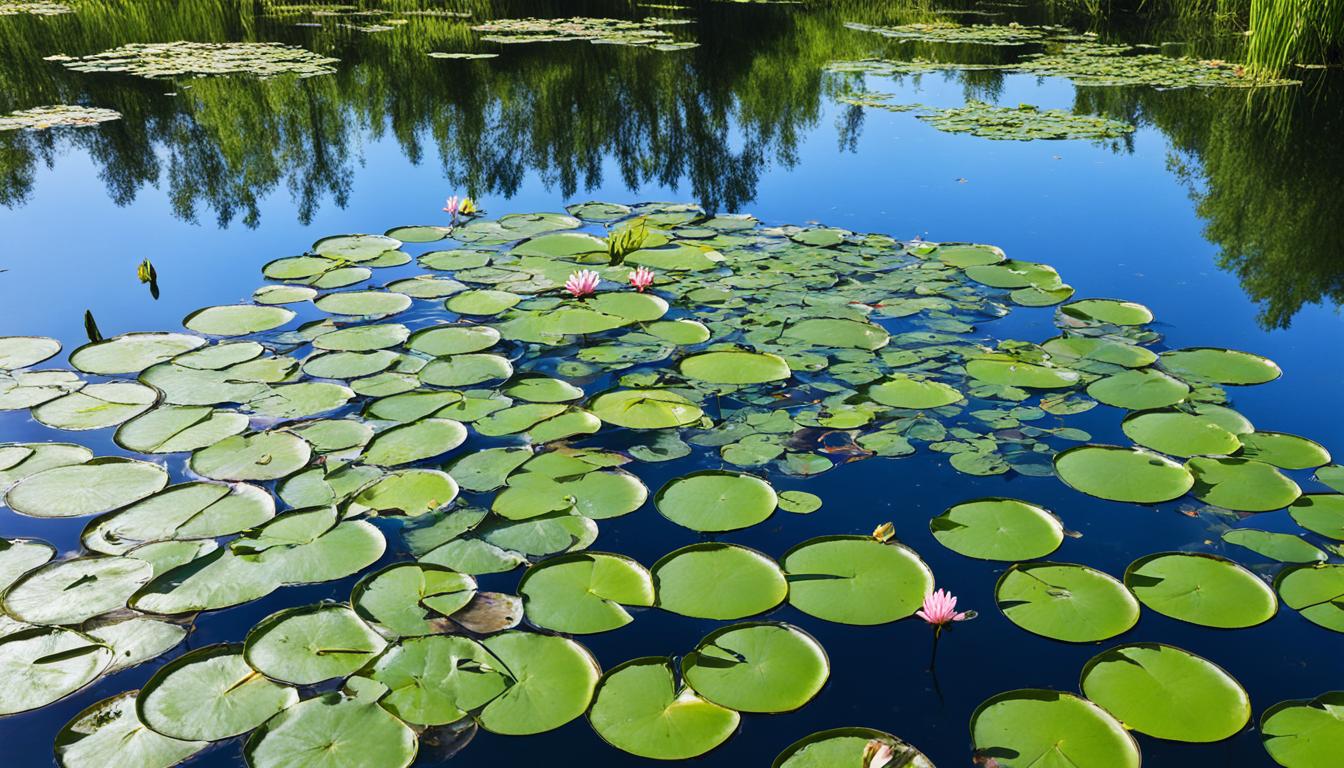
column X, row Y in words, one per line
column 1220, row 213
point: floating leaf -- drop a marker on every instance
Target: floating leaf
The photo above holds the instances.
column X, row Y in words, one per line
column 312, row 643
column 1066, row 602
column 639, row 708
column 711, row 580
column 111, row 727
column 713, row 501
column 1122, row 474
column 998, row 529
column 856, row 579
column 1202, row 589
column 764, row 667
column 40, row 665
column 585, row 593
column 1037, row 727
column 91, row 488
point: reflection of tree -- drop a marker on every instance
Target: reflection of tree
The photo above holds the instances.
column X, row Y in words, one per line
column 713, row 117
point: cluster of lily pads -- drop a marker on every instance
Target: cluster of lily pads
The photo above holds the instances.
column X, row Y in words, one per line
column 949, row 32
column 647, row 33
column 1024, row 122
column 56, row 116
column 181, row 58
column 457, row 406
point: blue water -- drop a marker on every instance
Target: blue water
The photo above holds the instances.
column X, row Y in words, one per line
column 1114, row 223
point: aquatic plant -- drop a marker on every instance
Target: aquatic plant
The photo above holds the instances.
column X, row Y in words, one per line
column 641, row 278
column 940, row 609
column 56, row 116
column 645, row 34
column 583, row 283
column 177, row 59
column 625, row 241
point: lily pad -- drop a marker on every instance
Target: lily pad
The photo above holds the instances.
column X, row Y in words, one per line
column 998, row 529
column 585, row 592
column 552, row 682
column 846, row 746
column 1283, row 450
column 413, row 442
column 237, row 319
column 1064, row 601
column 712, row 580
column 735, row 367
column 904, row 391
column 332, row 731
column 1167, row 692
column 111, row 727
column 1303, row 734
column 1139, row 389
column 640, row 708
column 1202, row 589
column 1321, row 513
column 40, row 665
column 1122, row 474
column 1037, row 727
column 258, row 456
column 1179, row 433
column 714, row 501
column 410, row 599
column 1108, row 312
column 131, row 352
column 1284, row 547
column 72, row 591
column 856, row 579
column 210, row 694
column 1315, row 591
column 24, row 351
column 1241, row 484
column 645, row 409
column 436, row 679
column 91, row 488
column 760, row 667
column 1220, row 366
column 309, row 644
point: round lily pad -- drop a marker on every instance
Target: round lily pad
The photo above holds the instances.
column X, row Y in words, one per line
column 19, row 556
column 412, row 442
column 1037, row 727
column 71, row 591
column 1305, row 734
column 1321, row 513
column 436, row 679
column 1180, row 434
column 1167, row 692
column 39, row 665
column 1140, row 389
column 998, row 529
column 96, row 406
column 856, row 579
column 1202, row 589
column 837, row 334
column 553, row 679
column 1122, row 474
column 332, row 731
column 1108, row 311
column 258, row 456
column 444, row 340
column 1015, row 373
column 737, row 367
column 903, row 391
column 111, row 727
column 91, row 488
column 409, row 492
column 1220, row 366
column 683, row 331
column 759, row 667
column 639, row 708
column 715, row 500
column 1075, row 350
column 237, row 319
column 411, row 599
column 311, row 643
column 466, row 370
column 131, row 352
column 177, row 428
column 1284, row 547
column 1066, row 602
column 1241, row 484
column 585, row 592
column 846, row 746
column 712, row 580
column 481, row 302
column 645, row 409
column 1283, row 450
column 23, row 351
column 187, row 511
column 210, row 694
column 366, row 304
column 1314, row 591
column 799, row 502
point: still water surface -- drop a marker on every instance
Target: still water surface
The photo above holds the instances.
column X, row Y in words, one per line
column 1221, row 213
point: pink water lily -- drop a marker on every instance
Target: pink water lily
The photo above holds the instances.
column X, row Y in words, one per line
column 877, row 754
column 641, row 278
column 582, row 283
column 940, row 608
column 452, row 206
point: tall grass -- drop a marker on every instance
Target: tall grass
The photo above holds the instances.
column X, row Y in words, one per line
column 1288, row 32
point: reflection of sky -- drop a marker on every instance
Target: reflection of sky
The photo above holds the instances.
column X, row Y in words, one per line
column 1114, row 225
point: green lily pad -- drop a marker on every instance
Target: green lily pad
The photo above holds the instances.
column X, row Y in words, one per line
column 1202, row 589
column 92, row 488
column 258, row 456
column 481, row 302
column 40, row 665
column 369, row 305
column 210, row 694
column 1180, row 434
column 72, row 591
column 904, row 391
column 1166, row 692
column 1076, row 350
column 1284, row 547
column 799, row 502
column 349, row 365
column 682, row 332
column 759, row 667
column 735, row 367
column 311, row 643
column 1321, row 513
column 846, row 746
column 1141, row 389
column 111, row 727
column 488, row 469
column 639, row 708
column 135, row 639
column 1303, row 734
column 1241, row 484
column 1108, row 312
column 585, row 592
column 27, row 459
column 363, row 338
column 712, row 580
column 412, row 442
column 1037, row 727
column 410, row 599
column 355, row 247
column 715, row 500
column 1221, row 366
column 552, row 683
column 436, row 679
column 97, row 406
column 1016, row 373
column 1316, row 592
column 998, row 529
column 181, row 512
column 1122, row 474
column 23, row 351
column 466, row 370
column 131, row 352
column 837, row 334
column 1283, row 450
column 297, row 401
column 332, row 731
column 178, row 428
column 237, row 319
column 1332, row 476
column 444, row 340
column 19, row 556
column 856, row 579
column 409, row 492
column 1066, row 602
column 645, row 409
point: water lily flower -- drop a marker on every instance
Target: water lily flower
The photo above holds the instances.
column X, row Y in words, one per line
column 641, row 278
column 582, row 283
column 452, row 206
column 940, row 609
column 467, row 207
column 877, row 754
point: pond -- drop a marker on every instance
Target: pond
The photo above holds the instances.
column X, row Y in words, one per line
column 745, row 326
